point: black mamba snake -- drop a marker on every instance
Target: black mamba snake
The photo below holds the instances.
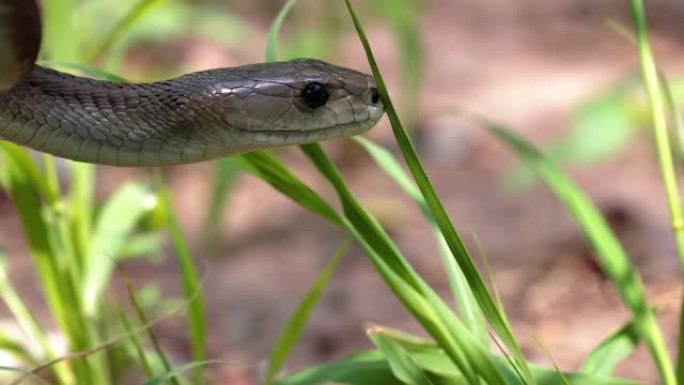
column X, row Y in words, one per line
column 196, row 117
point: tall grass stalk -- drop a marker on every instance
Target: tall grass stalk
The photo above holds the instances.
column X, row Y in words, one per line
column 192, row 286
column 656, row 99
column 491, row 310
column 660, row 131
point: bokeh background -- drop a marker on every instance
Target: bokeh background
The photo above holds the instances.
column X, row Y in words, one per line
column 559, row 72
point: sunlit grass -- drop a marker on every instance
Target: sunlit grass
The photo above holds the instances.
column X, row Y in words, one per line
column 75, row 241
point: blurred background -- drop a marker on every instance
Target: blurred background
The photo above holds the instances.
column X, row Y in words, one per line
column 559, row 72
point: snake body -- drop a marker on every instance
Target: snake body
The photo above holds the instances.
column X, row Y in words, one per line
column 195, row 117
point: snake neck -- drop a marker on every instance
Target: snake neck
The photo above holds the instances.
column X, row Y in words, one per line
column 110, row 123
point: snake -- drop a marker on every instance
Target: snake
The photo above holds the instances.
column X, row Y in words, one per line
column 195, row 117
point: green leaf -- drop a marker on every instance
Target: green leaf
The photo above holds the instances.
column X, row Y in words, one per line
column 295, row 326
column 401, row 363
column 110, row 235
column 613, row 349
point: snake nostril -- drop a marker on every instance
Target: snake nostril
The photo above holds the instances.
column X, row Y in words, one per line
column 375, row 96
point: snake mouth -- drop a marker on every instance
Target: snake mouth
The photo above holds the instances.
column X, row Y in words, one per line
column 268, row 137
column 280, row 137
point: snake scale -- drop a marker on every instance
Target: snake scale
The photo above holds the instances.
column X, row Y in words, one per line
column 195, row 117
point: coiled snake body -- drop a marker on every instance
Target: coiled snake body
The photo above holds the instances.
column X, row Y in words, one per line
column 199, row 116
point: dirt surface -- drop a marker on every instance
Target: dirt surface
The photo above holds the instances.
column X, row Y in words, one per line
column 527, row 64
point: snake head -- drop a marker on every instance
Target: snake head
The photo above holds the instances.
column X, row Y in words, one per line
column 296, row 102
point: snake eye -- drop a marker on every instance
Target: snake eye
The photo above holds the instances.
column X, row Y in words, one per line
column 314, row 95
column 375, row 96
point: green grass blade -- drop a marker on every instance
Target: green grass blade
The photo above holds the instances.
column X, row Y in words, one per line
column 369, row 367
column 405, row 16
column 18, row 181
column 28, row 324
column 135, row 344
column 166, row 377
column 651, row 79
column 675, row 117
column 609, row 352
column 25, row 319
column 401, row 363
column 678, row 134
column 61, row 40
column 610, row 254
column 81, row 212
column 437, row 319
column 393, row 169
column 404, row 282
column 112, row 231
column 459, row 286
column 359, row 217
column 192, row 287
column 562, row 379
column 67, row 231
column 295, row 326
column 272, row 42
column 143, row 320
column 145, row 244
column 487, row 304
column 123, row 27
column 16, row 348
column 218, row 195
column 18, row 177
column 268, row 168
column 436, row 363
column 226, row 173
column 21, row 158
